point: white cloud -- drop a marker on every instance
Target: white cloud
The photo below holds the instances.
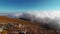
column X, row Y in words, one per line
column 51, row 18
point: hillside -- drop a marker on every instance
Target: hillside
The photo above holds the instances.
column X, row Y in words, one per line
column 18, row 26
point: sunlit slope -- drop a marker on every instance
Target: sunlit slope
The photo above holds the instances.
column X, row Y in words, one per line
column 5, row 19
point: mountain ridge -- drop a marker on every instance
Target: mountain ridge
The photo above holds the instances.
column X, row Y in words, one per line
column 5, row 19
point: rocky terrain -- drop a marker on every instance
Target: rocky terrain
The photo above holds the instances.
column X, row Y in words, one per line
column 19, row 26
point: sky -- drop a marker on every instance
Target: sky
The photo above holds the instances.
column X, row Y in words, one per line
column 7, row 6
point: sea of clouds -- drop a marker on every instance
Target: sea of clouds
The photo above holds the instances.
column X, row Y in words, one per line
column 52, row 19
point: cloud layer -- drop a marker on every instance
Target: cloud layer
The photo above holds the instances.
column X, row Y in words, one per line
column 52, row 19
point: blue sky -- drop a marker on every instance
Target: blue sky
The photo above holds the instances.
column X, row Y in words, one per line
column 28, row 5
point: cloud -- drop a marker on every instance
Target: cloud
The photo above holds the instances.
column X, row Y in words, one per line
column 52, row 19
column 14, row 15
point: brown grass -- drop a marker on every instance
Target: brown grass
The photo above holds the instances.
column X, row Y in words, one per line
column 5, row 19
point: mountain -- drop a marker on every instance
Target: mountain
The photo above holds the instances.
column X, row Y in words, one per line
column 22, row 26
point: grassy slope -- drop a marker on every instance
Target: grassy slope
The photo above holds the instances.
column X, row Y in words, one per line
column 5, row 19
